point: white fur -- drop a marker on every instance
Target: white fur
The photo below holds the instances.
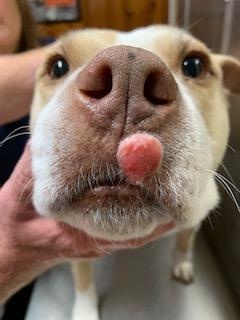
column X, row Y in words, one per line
column 183, row 271
column 86, row 305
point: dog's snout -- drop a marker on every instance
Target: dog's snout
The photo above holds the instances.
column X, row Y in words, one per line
column 95, row 82
column 126, row 78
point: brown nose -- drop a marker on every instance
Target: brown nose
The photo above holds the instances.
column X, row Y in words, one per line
column 126, row 83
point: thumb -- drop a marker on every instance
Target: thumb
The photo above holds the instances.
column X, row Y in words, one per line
column 41, row 232
column 20, row 181
column 52, row 238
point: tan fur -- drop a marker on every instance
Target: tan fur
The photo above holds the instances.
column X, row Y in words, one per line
column 185, row 240
column 82, row 272
column 183, row 264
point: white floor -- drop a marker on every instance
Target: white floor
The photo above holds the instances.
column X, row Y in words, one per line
column 136, row 285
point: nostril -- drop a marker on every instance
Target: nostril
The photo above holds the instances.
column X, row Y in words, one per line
column 157, row 89
column 97, row 85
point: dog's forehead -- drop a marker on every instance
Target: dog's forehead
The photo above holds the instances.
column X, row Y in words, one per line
column 81, row 45
column 167, row 42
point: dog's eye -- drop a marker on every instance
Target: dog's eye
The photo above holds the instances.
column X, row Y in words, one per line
column 58, row 68
column 192, row 66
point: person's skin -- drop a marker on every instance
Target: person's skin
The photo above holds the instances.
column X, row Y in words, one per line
column 17, row 83
column 10, row 26
column 30, row 244
column 17, row 70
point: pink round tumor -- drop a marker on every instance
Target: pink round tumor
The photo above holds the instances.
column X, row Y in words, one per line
column 139, row 156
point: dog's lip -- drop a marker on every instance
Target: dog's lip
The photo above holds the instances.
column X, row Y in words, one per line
column 120, row 190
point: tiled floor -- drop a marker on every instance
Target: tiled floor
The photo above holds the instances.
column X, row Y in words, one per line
column 137, row 285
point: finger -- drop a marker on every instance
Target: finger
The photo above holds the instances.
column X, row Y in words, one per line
column 21, row 175
column 42, row 232
column 56, row 239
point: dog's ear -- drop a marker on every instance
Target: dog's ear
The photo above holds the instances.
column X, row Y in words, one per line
column 231, row 72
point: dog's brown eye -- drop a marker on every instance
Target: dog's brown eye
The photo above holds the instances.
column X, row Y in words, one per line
column 58, row 68
column 192, row 66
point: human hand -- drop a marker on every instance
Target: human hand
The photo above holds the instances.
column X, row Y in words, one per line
column 30, row 243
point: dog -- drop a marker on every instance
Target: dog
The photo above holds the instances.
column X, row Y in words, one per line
column 128, row 130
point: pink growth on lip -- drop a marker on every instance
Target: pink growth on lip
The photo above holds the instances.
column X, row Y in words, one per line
column 139, row 156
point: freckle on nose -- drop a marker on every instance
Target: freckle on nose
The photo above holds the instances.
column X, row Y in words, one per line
column 131, row 56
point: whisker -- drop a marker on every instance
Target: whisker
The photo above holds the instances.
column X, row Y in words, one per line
column 99, row 248
column 226, row 188
column 17, row 129
column 194, row 24
column 23, row 191
column 196, row 179
column 225, row 179
column 230, row 193
column 92, row 168
column 231, row 148
column 227, row 172
column 14, row 131
column 217, row 212
column 210, row 222
column 12, row 137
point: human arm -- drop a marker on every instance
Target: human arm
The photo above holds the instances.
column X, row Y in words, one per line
column 17, row 82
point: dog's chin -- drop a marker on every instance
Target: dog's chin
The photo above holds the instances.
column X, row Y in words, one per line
column 114, row 213
column 109, row 231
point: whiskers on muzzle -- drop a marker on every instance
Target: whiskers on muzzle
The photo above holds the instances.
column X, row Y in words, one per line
column 110, row 215
column 228, row 186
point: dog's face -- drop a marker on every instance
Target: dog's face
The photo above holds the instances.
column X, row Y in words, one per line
column 99, row 87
